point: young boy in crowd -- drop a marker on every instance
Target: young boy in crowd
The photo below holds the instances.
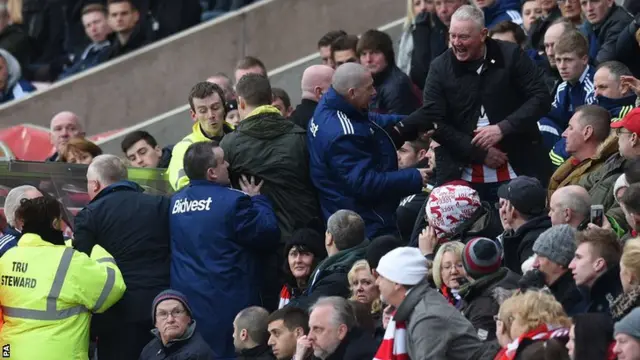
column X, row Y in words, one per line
column 576, row 89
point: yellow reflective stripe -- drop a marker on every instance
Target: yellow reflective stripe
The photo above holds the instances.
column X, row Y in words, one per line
column 555, row 159
column 181, row 174
column 51, row 312
column 106, row 290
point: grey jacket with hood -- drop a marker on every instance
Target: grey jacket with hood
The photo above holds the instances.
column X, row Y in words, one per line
column 435, row 329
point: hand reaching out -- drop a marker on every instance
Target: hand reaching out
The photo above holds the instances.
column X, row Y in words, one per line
column 249, row 186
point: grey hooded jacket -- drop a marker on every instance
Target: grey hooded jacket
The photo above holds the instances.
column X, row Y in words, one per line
column 435, row 329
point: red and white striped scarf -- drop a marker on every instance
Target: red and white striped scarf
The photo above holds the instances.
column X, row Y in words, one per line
column 394, row 344
column 285, row 297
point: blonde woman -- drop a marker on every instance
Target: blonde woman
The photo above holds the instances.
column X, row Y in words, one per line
column 363, row 286
column 13, row 35
column 529, row 317
column 365, row 291
column 630, row 279
column 448, row 271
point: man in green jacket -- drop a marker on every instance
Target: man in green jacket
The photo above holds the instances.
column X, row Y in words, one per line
column 600, row 182
column 271, row 149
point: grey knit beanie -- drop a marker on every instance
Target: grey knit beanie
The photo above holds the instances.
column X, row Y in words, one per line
column 629, row 325
column 557, row 244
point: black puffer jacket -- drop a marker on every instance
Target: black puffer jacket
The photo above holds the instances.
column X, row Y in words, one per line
column 395, row 92
column 273, row 149
column 627, row 48
column 482, row 299
column 191, row 346
column 518, row 245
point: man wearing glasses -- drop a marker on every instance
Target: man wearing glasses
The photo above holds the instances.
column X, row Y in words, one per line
column 175, row 333
column 600, row 182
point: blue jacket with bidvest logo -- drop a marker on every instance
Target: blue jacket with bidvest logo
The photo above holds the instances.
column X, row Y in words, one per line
column 217, row 237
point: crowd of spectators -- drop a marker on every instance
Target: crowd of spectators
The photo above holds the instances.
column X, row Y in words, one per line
column 45, row 41
column 474, row 196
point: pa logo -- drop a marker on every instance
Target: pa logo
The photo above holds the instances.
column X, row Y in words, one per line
column 6, row 351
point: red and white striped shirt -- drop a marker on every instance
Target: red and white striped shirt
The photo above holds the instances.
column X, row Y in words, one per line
column 482, row 174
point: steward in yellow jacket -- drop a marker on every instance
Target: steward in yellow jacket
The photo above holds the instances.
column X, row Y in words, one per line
column 208, row 111
column 48, row 292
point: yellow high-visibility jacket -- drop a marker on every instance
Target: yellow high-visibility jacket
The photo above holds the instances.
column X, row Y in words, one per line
column 177, row 177
column 48, row 293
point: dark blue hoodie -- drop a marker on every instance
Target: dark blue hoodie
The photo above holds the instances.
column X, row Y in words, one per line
column 502, row 10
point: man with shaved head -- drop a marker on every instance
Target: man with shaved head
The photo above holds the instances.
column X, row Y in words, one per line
column 570, row 205
column 64, row 126
column 224, row 82
column 316, row 80
column 353, row 160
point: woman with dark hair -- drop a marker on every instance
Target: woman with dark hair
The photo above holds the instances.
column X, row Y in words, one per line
column 50, row 290
column 303, row 252
column 591, row 337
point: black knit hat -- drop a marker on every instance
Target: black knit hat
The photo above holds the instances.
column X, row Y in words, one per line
column 379, row 247
column 481, row 257
column 169, row 295
column 310, row 239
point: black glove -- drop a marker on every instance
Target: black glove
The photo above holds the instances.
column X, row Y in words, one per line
column 533, row 279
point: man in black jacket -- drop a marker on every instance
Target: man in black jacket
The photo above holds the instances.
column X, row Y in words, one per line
column 395, row 94
column 554, row 249
column 524, row 218
column 335, row 334
column 316, row 80
column 430, row 38
column 133, row 227
column 605, row 22
column 412, row 154
column 485, row 98
column 250, row 334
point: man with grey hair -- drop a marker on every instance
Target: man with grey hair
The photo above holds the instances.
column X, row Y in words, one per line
column 12, row 232
column 250, row 334
column 353, row 159
column 485, row 98
column 345, row 243
column 570, row 205
column 64, row 126
column 133, row 227
column 334, row 333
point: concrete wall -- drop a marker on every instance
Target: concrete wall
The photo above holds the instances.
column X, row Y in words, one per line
column 157, row 79
column 172, row 126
